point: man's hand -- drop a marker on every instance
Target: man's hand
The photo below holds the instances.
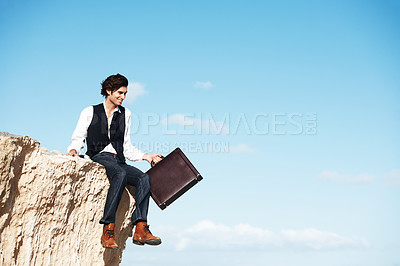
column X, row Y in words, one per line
column 72, row 153
column 152, row 157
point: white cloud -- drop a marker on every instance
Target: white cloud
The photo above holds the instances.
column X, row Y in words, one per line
column 189, row 123
column 241, row 148
column 204, row 85
column 135, row 89
column 334, row 176
column 208, row 235
column 392, row 178
column 315, row 239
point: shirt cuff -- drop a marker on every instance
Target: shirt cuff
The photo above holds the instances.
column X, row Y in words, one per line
column 74, row 147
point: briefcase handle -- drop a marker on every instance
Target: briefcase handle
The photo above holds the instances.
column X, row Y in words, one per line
column 153, row 163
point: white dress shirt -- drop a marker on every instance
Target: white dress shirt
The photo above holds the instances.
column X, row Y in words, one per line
column 78, row 137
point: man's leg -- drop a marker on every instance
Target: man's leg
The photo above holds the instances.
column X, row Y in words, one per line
column 118, row 180
column 141, row 181
column 117, row 177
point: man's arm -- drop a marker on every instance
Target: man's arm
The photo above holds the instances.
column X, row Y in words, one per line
column 80, row 133
column 155, row 158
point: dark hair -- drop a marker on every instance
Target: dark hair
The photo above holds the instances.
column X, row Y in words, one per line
column 113, row 83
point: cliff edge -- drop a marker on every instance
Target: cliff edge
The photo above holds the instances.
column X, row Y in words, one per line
column 50, row 207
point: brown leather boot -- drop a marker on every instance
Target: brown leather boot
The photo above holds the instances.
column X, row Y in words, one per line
column 108, row 239
column 143, row 235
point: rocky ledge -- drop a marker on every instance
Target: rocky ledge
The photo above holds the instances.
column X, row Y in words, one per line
column 50, row 207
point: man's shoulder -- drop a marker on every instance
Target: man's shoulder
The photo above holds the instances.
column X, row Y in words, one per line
column 126, row 110
column 97, row 105
column 88, row 109
column 92, row 107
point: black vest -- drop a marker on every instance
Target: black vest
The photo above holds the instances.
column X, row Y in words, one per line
column 97, row 134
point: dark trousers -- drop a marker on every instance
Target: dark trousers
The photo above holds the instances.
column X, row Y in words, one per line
column 120, row 175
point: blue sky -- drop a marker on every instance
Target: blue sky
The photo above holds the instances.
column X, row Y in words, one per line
column 289, row 109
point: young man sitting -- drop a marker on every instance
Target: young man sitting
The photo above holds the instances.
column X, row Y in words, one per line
column 106, row 129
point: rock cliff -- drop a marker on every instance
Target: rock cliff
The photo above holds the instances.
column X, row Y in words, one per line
column 50, row 207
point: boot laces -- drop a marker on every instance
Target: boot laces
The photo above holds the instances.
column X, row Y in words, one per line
column 147, row 227
column 110, row 233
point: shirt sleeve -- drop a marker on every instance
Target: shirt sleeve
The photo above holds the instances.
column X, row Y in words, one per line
column 131, row 152
column 80, row 133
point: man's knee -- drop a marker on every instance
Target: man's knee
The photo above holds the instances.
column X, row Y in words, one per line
column 120, row 176
column 145, row 180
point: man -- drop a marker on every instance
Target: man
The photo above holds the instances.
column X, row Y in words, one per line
column 106, row 129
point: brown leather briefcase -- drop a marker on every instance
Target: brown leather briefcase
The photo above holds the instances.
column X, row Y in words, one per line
column 172, row 177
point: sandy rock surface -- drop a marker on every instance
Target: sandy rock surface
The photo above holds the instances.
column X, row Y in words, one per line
column 50, row 207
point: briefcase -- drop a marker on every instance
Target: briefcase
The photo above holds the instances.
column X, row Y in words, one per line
column 172, row 177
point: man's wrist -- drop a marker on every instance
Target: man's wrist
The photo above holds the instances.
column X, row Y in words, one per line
column 145, row 157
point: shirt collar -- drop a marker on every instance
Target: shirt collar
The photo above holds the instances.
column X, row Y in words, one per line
column 117, row 109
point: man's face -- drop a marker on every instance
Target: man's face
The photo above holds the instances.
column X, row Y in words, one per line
column 117, row 96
